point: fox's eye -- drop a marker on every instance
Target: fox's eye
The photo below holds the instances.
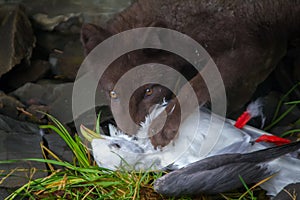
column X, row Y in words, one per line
column 148, row 92
column 113, row 94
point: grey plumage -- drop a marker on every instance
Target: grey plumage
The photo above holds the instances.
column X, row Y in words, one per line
column 221, row 173
column 216, row 169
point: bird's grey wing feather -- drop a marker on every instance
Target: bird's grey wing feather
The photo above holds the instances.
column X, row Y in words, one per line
column 253, row 157
column 270, row 153
column 210, row 163
column 221, row 173
column 211, row 181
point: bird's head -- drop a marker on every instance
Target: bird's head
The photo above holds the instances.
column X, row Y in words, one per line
column 124, row 151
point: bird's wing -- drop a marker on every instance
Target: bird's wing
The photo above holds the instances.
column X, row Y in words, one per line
column 221, row 173
column 270, row 153
column 211, row 181
column 253, row 157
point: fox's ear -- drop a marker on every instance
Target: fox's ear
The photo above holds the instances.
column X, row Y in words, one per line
column 91, row 36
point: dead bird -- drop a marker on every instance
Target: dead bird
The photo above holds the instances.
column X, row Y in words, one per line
column 224, row 172
column 201, row 163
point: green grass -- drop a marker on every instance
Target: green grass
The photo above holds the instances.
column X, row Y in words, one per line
column 83, row 179
column 283, row 101
column 277, row 118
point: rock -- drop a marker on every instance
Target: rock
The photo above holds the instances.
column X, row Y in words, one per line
column 48, row 42
column 290, row 192
column 58, row 97
column 33, row 113
column 65, row 16
column 58, row 146
column 22, row 74
column 4, row 192
column 68, row 24
column 9, row 105
column 8, row 125
column 17, row 39
column 65, row 64
column 19, row 140
column 72, row 25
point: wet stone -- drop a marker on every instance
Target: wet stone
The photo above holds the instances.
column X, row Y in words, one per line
column 17, row 39
column 48, row 42
column 58, row 98
column 4, row 192
column 24, row 73
column 9, row 105
column 35, row 114
column 291, row 191
column 58, row 146
column 66, row 63
column 64, row 15
column 68, row 24
column 19, row 140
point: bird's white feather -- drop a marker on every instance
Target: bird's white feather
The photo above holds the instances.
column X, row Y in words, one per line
column 184, row 149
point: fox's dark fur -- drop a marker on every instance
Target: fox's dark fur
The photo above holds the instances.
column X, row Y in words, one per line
column 245, row 38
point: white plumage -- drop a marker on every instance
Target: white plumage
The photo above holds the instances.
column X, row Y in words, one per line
column 192, row 144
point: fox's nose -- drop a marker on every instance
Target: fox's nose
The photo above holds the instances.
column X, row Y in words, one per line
column 128, row 116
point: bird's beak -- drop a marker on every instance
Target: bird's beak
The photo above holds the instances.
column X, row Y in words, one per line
column 89, row 134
